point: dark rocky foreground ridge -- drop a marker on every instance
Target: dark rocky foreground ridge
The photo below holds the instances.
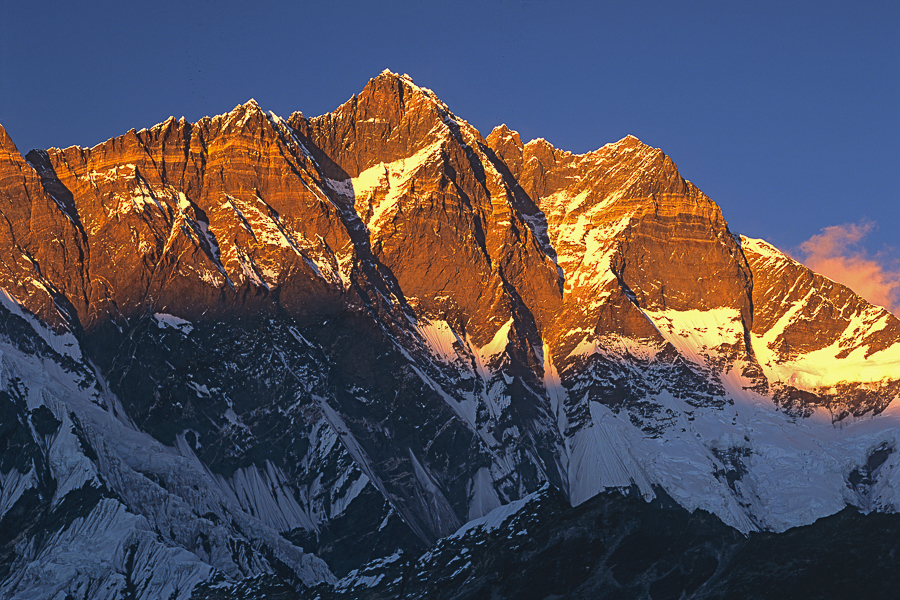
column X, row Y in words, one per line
column 253, row 353
column 619, row 546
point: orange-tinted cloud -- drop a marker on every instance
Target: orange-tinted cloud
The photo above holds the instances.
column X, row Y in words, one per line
column 836, row 253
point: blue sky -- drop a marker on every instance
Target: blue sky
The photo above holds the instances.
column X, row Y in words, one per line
column 786, row 114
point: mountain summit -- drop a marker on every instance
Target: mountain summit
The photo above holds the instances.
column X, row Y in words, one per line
column 254, row 354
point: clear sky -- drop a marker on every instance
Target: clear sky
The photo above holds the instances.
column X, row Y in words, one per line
column 785, row 113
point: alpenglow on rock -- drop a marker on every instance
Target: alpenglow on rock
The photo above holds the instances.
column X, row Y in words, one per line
column 250, row 355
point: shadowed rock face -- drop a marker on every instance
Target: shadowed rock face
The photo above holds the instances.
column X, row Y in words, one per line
column 618, row 546
column 378, row 320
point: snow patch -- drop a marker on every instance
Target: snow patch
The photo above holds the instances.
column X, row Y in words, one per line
column 164, row 321
column 485, row 354
column 441, row 339
column 378, row 188
column 497, row 517
column 698, row 334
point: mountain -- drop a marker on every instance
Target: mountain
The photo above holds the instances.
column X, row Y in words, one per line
column 256, row 355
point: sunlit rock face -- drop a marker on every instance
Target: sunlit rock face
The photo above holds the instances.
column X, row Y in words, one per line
column 820, row 344
column 178, row 214
column 437, row 209
column 287, row 347
column 41, row 243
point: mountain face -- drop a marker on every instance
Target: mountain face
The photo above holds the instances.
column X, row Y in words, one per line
column 255, row 355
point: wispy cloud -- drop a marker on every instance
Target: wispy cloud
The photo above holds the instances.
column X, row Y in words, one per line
column 837, row 254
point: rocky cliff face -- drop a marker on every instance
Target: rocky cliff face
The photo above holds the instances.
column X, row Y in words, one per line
column 288, row 347
column 815, row 337
column 43, row 246
column 167, row 213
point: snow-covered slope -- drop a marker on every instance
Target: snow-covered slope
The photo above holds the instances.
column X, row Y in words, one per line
column 98, row 509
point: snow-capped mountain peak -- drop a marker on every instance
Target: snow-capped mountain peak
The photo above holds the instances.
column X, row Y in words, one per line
column 259, row 353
